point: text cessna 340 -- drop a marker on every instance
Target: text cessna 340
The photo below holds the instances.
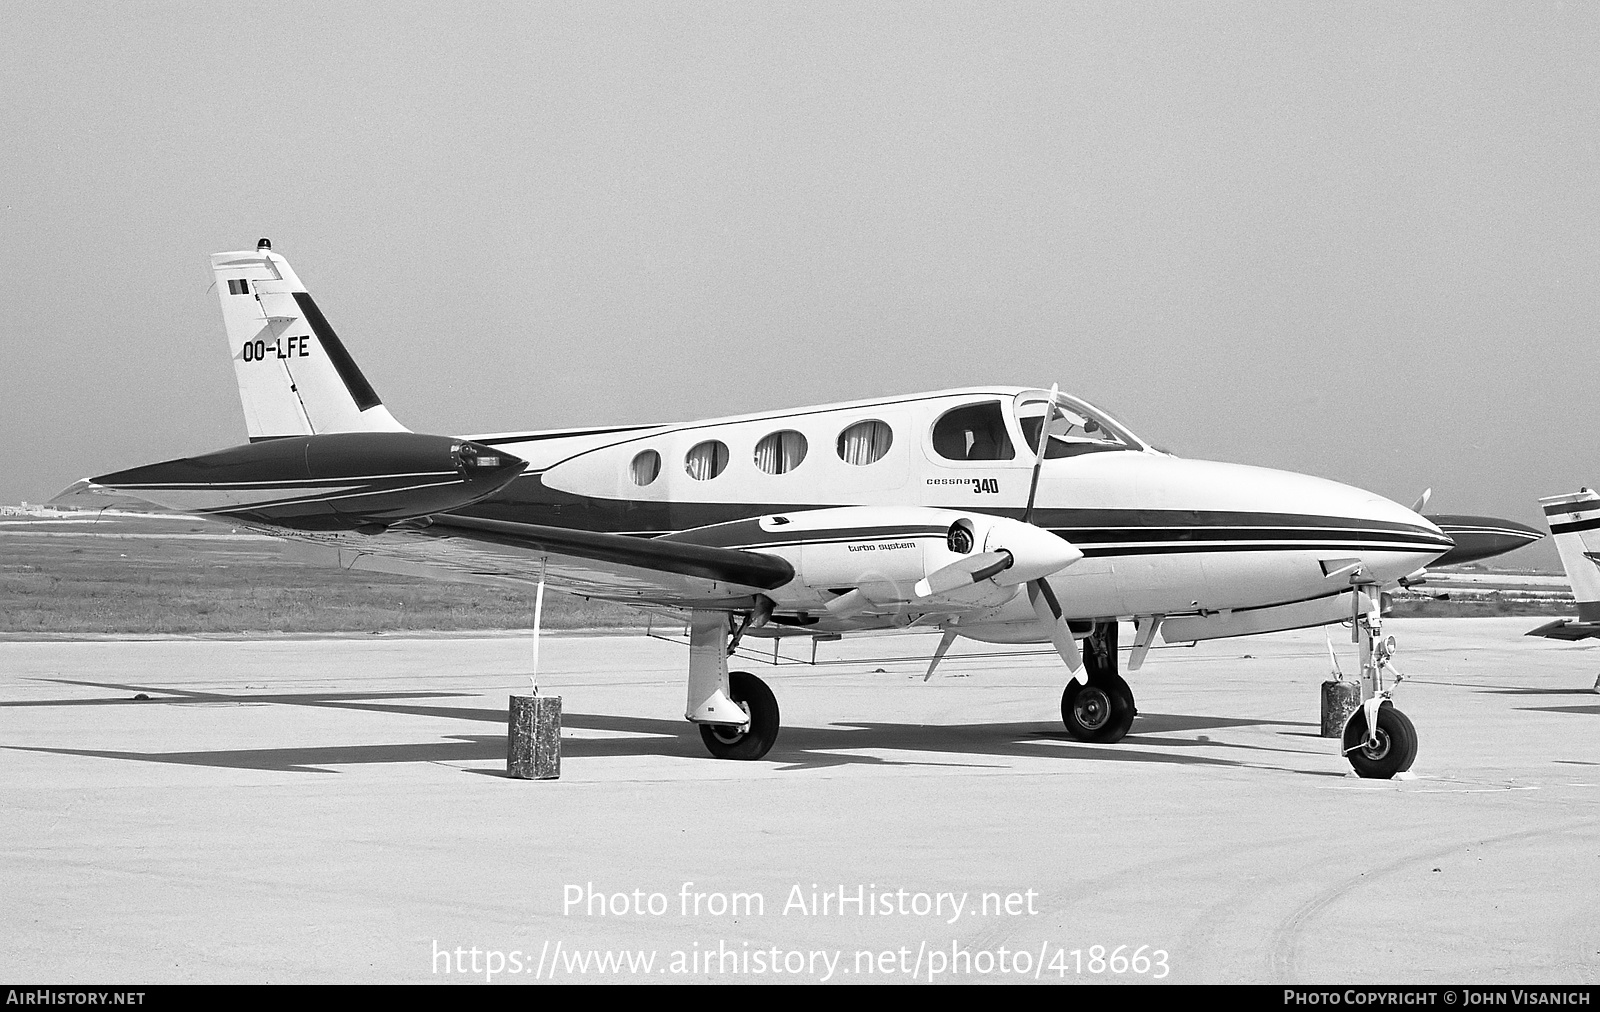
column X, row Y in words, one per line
column 942, row 510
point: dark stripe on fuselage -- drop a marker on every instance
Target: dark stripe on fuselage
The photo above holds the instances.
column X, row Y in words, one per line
column 1106, row 532
column 748, row 535
column 1193, row 548
column 360, row 390
column 1221, row 533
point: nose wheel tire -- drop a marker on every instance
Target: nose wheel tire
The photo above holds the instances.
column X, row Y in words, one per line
column 1396, row 747
column 1101, row 711
column 754, row 698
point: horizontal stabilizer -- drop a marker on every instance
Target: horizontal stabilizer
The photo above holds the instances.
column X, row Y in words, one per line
column 86, row 495
column 337, row 481
column 1566, row 629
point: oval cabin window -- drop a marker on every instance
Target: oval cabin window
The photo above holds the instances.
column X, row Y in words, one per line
column 781, row 452
column 646, row 466
column 706, row 460
column 865, row 442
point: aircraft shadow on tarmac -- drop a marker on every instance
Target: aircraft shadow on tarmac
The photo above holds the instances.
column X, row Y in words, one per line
column 1508, row 690
column 800, row 748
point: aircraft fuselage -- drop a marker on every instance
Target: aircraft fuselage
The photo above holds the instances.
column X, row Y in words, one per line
column 1214, row 542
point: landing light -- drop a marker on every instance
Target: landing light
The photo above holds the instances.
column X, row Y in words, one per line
column 960, row 538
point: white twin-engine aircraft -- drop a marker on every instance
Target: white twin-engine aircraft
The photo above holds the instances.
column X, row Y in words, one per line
column 943, row 510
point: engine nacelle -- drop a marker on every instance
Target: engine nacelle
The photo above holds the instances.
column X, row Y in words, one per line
column 885, row 551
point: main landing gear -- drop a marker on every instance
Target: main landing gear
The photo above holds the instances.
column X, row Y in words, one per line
column 1100, row 710
column 1379, row 740
column 737, row 713
column 760, row 706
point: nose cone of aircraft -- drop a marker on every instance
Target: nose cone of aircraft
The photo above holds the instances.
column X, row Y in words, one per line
column 1274, row 509
column 1481, row 537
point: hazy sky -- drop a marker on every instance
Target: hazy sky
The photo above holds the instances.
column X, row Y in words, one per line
column 1354, row 240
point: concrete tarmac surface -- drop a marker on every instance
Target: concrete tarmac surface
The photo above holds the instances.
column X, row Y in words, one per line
column 337, row 810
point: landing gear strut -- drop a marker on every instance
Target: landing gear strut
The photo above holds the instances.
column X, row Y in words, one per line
column 1102, row 710
column 1379, row 740
column 737, row 713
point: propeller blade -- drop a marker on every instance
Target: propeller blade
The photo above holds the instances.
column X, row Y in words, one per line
column 948, row 638
column 963, row 573
column 1048, row 609
column 1422, row 501
column 1038, row 457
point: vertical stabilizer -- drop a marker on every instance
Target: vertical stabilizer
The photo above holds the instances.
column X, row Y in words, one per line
column 295, row 376
column 1575, row 525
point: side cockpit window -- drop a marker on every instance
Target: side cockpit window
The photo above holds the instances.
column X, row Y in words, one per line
column 973, row 432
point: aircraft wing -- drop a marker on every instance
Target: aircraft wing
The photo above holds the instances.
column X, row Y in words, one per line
column 612, row 567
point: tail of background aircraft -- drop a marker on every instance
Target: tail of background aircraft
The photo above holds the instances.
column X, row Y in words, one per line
column 295, row 377
column 1575, row 525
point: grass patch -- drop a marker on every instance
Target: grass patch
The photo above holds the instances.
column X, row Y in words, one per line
column 155, row 585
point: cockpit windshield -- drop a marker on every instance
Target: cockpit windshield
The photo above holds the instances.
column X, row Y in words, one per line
column 1075, row 426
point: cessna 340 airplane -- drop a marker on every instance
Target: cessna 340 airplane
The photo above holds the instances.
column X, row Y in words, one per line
column 1000, row 514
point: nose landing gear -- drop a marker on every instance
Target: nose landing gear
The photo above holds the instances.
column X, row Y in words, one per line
column 1379, row 740
column 1388, row 750
column 1100, row 709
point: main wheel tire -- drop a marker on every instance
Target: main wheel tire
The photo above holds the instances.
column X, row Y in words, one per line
column 1395, row 751
column 753, row 696
column 1101, row 711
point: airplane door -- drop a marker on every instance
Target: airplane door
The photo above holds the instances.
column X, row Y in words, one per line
column 974, row 460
